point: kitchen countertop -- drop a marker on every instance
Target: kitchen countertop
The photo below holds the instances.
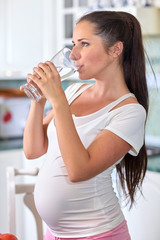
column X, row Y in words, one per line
column 154, row 163
column 9, row 144
column 17, row 143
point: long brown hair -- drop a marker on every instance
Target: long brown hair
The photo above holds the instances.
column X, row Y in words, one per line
column 114, row 26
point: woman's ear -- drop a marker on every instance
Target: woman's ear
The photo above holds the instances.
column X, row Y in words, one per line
column 117, row 49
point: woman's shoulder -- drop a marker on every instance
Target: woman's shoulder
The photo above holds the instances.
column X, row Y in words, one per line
column 73, row 88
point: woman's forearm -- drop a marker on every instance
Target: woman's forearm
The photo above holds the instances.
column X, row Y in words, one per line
column 34, row 140
column 74, row 153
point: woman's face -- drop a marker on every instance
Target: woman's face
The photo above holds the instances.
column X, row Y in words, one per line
column 89, row 53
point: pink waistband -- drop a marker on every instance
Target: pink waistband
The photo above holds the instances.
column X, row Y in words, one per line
column 118, row 233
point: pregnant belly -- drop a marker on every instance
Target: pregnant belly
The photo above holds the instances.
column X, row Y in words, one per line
column 50, row 197
column 51, row 191
column 58, row 200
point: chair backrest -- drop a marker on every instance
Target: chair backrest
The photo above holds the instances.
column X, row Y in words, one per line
column 23, row 188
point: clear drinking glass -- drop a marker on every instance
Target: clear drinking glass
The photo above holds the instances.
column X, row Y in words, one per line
column 65, row 66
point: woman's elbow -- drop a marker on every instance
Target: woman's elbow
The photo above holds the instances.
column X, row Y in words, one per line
column 30, row 155
column 33, row 151
column 76, row 177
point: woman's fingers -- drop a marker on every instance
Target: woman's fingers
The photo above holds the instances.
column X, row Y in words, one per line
column 21, row 88
column 51, row 66
column 36, row 74
column 31, row 78
column 48, row 67
column 43, row 68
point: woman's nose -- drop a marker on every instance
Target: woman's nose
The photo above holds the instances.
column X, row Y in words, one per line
column 75, row 54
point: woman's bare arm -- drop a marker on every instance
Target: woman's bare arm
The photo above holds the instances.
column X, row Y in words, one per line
column 35, row 141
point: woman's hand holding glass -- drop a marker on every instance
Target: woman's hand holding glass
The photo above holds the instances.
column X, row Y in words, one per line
column 48, row 80
column 63, row 67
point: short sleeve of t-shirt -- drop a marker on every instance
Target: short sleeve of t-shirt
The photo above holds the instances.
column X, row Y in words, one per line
column 128, row 122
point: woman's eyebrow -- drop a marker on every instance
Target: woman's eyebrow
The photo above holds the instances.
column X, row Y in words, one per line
column 80, row 39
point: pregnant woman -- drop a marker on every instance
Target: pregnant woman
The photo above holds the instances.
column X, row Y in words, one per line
column 91, row 129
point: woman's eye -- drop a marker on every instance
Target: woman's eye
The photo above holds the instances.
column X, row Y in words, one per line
column 85, row 44
column 81, row 44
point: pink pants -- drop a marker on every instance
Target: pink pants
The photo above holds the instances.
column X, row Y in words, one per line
column 118, row 233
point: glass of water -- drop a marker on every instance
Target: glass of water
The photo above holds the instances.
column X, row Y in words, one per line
column 64, row 65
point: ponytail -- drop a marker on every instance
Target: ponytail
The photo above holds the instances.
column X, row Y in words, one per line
column 132, row 169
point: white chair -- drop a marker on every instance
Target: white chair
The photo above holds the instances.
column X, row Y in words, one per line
column 27, row 189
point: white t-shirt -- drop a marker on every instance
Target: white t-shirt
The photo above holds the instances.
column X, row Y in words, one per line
column 89, row 207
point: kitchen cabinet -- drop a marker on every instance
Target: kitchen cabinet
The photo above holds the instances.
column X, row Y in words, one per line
column 27, row 35
column 70, row 10
column 149, row 17
column 30, row 34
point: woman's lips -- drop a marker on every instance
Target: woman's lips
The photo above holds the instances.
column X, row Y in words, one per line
column 79, row 68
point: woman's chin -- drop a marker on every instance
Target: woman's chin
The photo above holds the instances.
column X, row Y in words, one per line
column 84, row 77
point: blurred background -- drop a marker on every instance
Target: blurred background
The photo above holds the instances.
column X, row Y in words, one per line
column 34, row 30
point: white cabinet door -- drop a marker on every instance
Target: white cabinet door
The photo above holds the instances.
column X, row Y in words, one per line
column 27, row 34
column 144, row 218
column 9, row 158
